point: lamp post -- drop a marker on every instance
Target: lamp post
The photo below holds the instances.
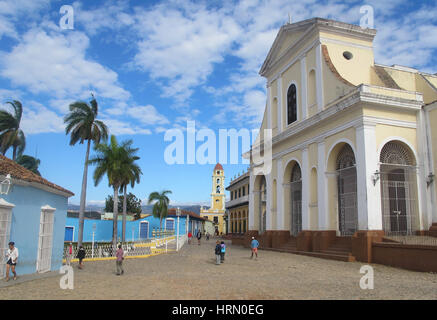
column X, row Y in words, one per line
column 178, row 214
column 92, row 248
column 6, row 185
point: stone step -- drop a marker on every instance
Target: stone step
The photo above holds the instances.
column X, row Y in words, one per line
column 331, row 256
column 337, row 252
column 290, row 250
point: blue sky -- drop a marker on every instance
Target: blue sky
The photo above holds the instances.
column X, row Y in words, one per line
column 154, row 65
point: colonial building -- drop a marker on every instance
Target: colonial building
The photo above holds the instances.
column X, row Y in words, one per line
column 33, row 212
column 353, row 146
column 237, row 208
column 216, row 212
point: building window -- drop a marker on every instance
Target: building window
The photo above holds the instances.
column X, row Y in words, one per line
column 247, row 189
column 215, row 219
column 218, row 189
column 239, row 193
column 232, row 195
column 244, row 191
column 218, row 172
column 291, row 104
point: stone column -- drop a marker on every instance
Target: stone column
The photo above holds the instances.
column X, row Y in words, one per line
column 305, row 191
column 279, row 196
column 251, row 225
column 319, row 78
column 304, row 92
column 280, row 109
column 322, row 200
column 368, row 194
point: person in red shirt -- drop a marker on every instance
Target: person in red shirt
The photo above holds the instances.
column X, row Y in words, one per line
column 189, row 237
column 69, row 254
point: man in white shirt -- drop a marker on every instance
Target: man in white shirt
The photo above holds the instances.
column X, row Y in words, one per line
column 12, row 257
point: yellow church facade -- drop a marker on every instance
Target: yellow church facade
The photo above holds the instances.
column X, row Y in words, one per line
column 353, row 146
column 216, row 212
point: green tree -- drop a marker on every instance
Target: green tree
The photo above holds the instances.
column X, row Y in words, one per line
column 30, row 163
column 133, row 205
column 82, row 125
column 160, row 207
column 114, row 161
column 10, row 133
column 133, row 173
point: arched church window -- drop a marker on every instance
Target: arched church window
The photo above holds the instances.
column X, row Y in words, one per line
column 291, row 104
column 218, row 181
column 218, row 189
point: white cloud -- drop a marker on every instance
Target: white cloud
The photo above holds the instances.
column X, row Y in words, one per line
column 39, row 119
column 119, row 127
column 56, row 64
column 182, row 44
column 110, row 16
column 147, row 115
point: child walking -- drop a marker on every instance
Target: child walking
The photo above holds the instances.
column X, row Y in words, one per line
column 217, row 251
column 222, row 252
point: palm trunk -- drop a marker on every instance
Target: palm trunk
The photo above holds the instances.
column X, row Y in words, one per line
column 83, row 196
column 123, row 232
column 14, row 153
column 115, row 219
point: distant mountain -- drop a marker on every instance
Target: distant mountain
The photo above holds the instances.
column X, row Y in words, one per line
column 193, row 208
column 145, row 208
column 75, row 207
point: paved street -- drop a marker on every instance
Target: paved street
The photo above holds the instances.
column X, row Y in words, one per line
column 192, row 274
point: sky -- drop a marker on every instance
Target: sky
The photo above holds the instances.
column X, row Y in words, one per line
column 153, row 66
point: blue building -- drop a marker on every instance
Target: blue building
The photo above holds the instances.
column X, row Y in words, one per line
column 32, row 214
column 135, row 230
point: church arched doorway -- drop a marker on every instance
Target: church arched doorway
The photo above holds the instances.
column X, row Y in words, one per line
column 398, row 189
column 347, row 191
column 296, row 200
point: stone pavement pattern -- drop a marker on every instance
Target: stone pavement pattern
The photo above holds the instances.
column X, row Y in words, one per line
column 192, row 274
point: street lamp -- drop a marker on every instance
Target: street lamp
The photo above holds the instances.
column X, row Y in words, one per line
column 6, row 185
column 92, row 248
column 178, row 214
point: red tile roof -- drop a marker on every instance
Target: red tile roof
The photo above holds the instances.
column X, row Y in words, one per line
column 218, row 166
column 172, row 212
column 7, row 166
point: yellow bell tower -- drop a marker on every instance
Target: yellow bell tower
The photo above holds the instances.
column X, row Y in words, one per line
column 218, row 188
column 217, row 209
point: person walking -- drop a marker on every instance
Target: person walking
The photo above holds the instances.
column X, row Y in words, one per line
column 189, row 237
column 217, row 251
column 11, row 260
column 254, row 244
column 207, row 236
column 222, row 252
column 119, row 260
column 80, row 255
column 69, row 254
column 199, row 236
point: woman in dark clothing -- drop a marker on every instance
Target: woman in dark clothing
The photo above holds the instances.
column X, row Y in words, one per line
column 199, row 236
column 80, row 255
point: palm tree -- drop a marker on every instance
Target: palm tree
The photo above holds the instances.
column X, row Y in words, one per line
column 83, row 126
column 10, row 133
column 116, row 161
column 30, row 163
column 160, row 208
column 133, row 173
